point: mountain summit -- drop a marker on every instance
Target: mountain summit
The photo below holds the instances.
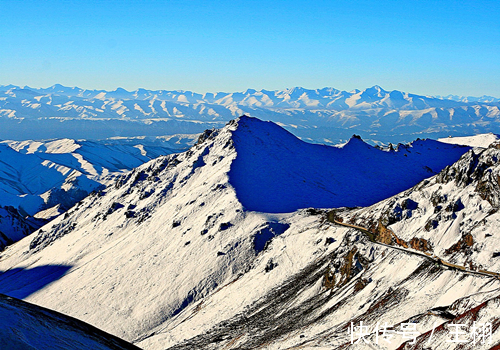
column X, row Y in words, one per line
column 276, row 172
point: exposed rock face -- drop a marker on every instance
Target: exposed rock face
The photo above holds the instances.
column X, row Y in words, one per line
column 15, row 226
column 451, row 214
column 480, row 168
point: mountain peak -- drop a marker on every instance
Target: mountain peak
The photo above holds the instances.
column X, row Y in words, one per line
column 357, row 143
column 374, row 90
column 377, row 87
column 156, row 112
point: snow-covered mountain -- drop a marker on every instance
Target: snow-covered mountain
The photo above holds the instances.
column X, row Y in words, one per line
column 454, row 218
column 454, row 214
column 323, row 115
column 41, row 179
column 483, row 98
column 206, row 248
column 27, row 326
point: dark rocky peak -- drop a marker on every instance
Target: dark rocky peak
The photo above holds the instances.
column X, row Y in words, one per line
column 481, row 169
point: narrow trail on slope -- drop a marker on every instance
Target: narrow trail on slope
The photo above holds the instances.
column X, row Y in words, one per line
column 371, row 236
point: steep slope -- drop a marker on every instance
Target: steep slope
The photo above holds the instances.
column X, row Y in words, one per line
column 451, row 218
column 171, row 255
column 129, row 246
column 453, row 215
column 307, row 288
column 354, row 279
column 27, row 326
column 276, row 172
column 15, row 226
column 473, row 328
column 41, row 179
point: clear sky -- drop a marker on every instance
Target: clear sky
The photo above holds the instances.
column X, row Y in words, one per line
column 426, row 47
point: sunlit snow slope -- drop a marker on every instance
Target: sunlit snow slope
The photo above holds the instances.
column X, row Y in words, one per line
column 41, row 179
column 482, row 140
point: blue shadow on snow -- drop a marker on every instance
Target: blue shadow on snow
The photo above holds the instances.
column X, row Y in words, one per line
column 20, row 283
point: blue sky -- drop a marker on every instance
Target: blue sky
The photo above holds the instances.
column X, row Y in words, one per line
column 428, row 47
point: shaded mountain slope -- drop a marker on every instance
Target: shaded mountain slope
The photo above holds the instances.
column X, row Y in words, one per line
column 15, row 226
column 276, row 172
column 27, row 326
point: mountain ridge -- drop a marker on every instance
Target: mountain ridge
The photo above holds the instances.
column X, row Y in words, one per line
column 288, row 174
column 42, row 179
column 81, row 91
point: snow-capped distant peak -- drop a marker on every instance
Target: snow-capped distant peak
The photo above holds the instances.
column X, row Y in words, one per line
column 481, row 140
column 61, row 111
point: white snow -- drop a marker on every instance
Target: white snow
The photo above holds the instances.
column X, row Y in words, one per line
column 373, row 110
column 182, row 247
column 481, row 140
column 38, row 175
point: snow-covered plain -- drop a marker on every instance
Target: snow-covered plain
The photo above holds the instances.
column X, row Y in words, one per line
column 185, row 252
column 481, row 140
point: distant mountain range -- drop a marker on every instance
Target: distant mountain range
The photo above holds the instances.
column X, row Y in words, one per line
column 323, row 115
column 472, row 99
